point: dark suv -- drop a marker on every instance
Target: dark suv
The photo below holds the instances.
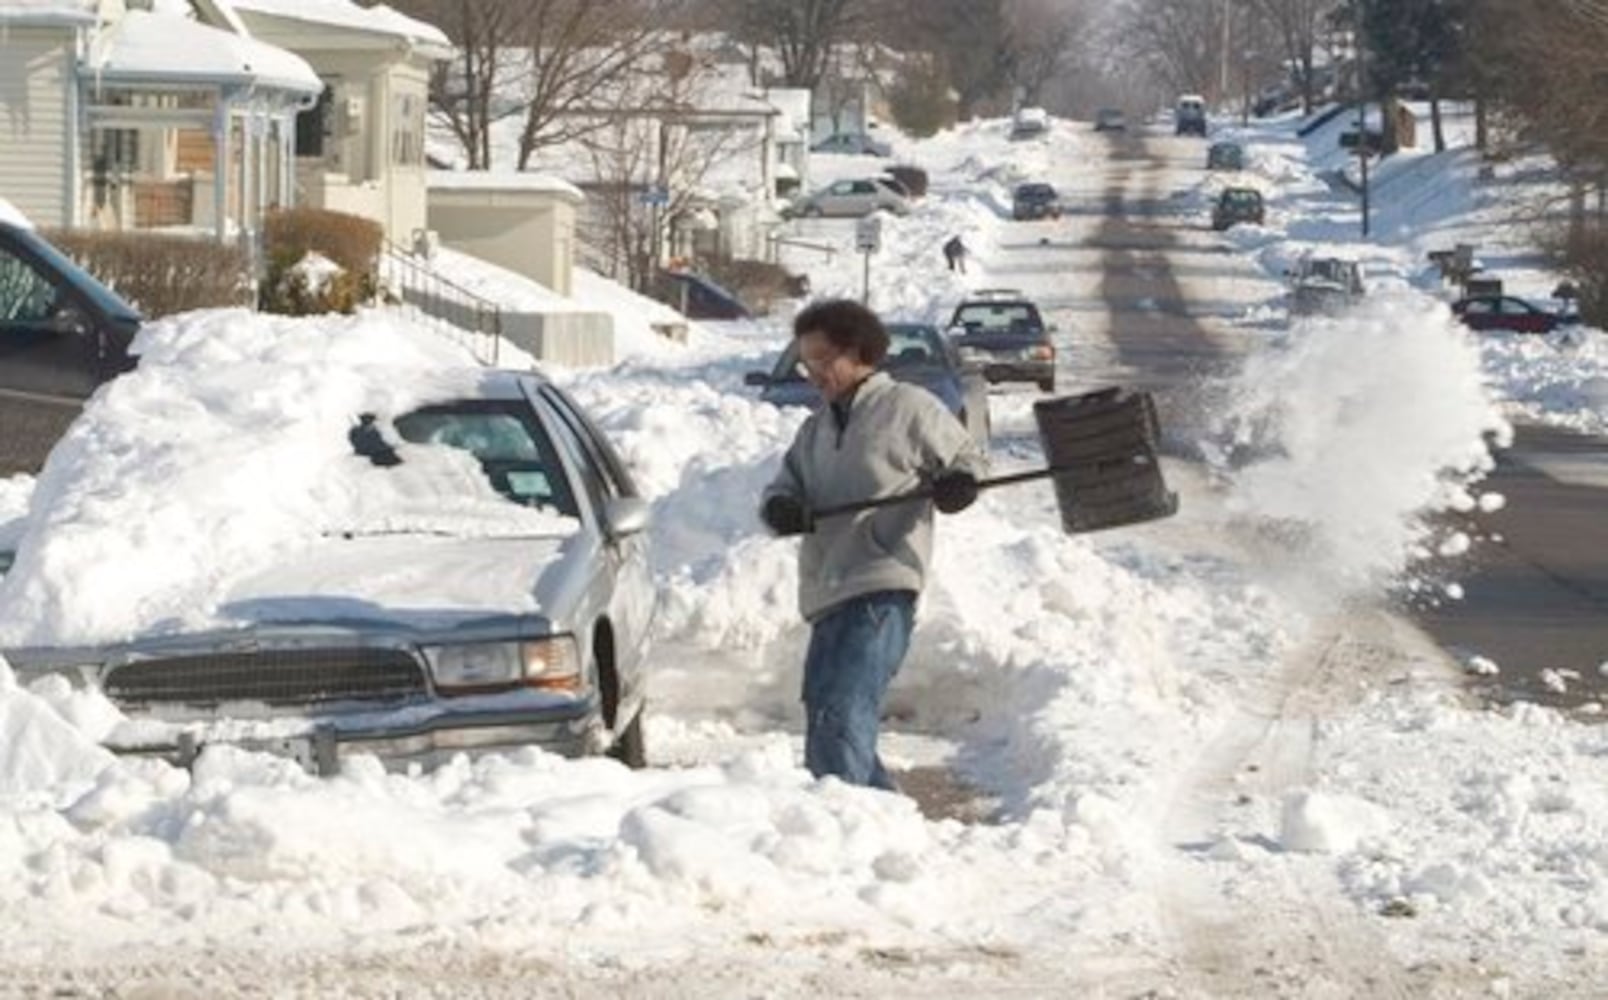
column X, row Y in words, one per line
column 1003, row 333
column 1035, row 201
column 1238, row 205
column 62, row 333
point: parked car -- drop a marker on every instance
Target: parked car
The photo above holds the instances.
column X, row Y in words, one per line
column 1238, row 205
column 1030, row 123
column 1003, row 332
column 1189, row 116
column 697, row 297
column 855, row 198
column 852, row 144
column 1035, row 201
column 912, row 178
column 919, row 354
column 1110, row 120
column 62, row 334
column 462, row 620
column 1325, row 286
column 1225, row 156
column 1508, row 312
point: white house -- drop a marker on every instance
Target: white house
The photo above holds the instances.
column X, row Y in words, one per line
column 119, row 118
column 360, row 149
column 204, row 114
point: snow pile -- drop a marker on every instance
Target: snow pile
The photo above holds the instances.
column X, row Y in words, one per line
column 1329, row 824
column 1356, row 429
column 1560, row 379
column 224, row 452
column 314, row 272
column 44, row 752
column 14, row 494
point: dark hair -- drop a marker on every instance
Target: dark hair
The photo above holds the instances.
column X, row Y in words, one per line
column 848, row 325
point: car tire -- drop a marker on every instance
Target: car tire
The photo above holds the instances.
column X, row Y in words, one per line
column 811, row 212
column 630, row 747
column 1047, row 385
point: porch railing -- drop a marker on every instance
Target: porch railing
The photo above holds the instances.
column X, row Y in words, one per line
column 470, row 319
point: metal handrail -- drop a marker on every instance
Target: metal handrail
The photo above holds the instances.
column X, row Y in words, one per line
column 472, row 320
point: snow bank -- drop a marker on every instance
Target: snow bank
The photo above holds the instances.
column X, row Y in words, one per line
column 43, row 753
column 225, row 451
column 1329, row 824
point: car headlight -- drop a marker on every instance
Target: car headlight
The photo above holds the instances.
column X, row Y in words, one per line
column 552, row 664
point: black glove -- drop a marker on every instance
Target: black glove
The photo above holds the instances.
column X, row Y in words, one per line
column 786, row 516
column 953, row 492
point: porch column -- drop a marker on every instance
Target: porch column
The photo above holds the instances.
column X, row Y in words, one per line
column 220, row 168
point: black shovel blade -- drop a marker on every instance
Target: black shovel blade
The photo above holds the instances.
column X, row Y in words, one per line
column 1107, row 441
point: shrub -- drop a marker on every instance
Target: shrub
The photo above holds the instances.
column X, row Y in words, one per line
column 350, row 242
column 759, row 284
column 921, row 102
column 161, row 274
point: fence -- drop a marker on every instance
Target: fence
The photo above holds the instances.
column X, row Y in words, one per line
column 471, row 320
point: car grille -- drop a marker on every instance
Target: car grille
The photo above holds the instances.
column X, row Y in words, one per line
column 286, row 677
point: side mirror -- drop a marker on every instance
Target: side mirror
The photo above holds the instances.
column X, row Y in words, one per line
column 759, row 379
column 626, row 516
column 1053, row 328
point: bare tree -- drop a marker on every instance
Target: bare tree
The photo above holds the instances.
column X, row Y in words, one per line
column 674, row 146
column 1044, row 35
column 1300, row 25
column 469, row 94
column 802, row 33
column 584, row 53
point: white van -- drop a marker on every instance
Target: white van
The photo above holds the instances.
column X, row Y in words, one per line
column 1190, row 116
column 1030, row 122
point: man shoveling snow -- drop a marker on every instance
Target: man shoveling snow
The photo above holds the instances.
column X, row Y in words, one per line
column 860, row 575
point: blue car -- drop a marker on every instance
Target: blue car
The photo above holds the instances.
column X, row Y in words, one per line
column 696, row 297
column 918, row 354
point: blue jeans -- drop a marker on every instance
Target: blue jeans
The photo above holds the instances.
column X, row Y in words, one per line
column 855, row 649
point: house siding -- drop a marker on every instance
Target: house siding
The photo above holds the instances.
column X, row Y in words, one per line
column 36, row 66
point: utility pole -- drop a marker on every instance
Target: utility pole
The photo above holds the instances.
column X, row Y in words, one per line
column 1360, row 47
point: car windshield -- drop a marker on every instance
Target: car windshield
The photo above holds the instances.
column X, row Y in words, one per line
column 1035, row 192
column 1242, row 198
column 999, row 317
column 510, row 460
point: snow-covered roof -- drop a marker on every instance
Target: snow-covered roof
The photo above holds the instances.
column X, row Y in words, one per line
column 148, row 46
column 12, row 215
column 48, row 11
column 502, row 180
column 379, row 19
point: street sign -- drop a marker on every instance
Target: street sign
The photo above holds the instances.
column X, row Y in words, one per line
column 656, row 196
column 868, row 234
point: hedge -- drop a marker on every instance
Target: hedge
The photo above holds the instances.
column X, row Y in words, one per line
column 161, row 274
column 350, row 241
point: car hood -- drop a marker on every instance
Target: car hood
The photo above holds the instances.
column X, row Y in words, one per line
column 414, row 582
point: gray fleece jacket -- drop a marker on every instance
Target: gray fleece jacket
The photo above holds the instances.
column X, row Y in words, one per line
column 896, row 438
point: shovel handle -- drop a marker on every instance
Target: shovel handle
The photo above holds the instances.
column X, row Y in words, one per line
column 925, row 493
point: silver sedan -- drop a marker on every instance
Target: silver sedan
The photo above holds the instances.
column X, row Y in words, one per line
column 515, row 616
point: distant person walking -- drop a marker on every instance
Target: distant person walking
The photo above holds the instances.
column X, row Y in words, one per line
column 955, row 254
column 859, row 574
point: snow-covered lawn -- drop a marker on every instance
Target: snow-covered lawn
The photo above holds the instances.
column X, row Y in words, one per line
column 1104, row 694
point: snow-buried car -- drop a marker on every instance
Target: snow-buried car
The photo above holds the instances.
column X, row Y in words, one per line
column 486, row 588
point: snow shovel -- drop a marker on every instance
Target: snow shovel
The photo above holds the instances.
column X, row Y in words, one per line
column 1101, row 448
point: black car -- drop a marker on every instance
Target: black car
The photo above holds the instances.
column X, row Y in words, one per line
column 1238, row 205
column 1035, row 201
column 1003, row 332
column 62, row 334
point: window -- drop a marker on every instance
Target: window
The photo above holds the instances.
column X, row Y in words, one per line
column 864, row 187
column 1518, row 307
column 998, row 317
column 407, row 130
column 598, row 452
column 313, row 125
column 513, row 451
column 1479, row 307
column 27, row 297
column 843, row 187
